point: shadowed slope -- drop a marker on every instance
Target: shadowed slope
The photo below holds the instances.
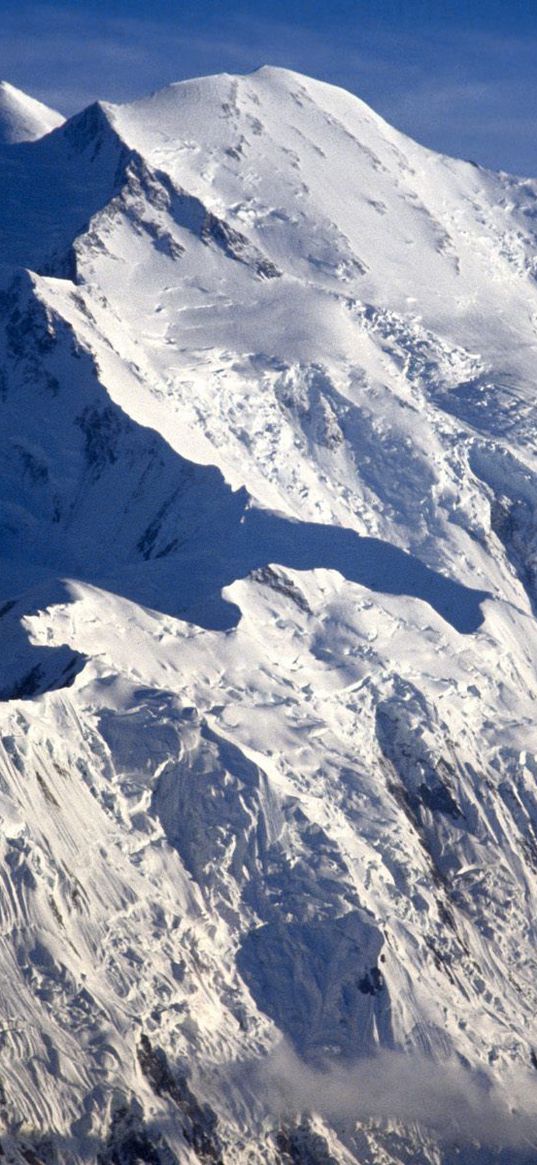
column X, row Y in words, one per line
column 87, row 493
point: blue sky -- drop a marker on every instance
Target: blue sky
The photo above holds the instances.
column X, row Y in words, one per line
column 460, row 77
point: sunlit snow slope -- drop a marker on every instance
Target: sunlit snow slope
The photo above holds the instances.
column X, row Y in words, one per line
column 268, row 672
column 22, row 118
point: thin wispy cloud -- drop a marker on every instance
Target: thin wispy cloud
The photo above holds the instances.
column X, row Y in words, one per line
column 454, row 1103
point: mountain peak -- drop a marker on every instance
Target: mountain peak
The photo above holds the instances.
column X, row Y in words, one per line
column 216, row 85
column 268, row 535
column 22, row 118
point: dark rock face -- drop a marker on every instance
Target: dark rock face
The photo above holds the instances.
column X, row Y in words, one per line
column 440, row 798
column 130, row 1142
column 372, row 982
column 236, row 246
column 198, row 1120
column 514, row 522
column 301, row 1146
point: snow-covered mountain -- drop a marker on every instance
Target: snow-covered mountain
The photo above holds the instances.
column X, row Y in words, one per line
column 22, row 118
column 268, row 673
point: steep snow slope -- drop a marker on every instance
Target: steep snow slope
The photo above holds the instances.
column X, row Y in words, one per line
column 22, row 118
column 267, row 513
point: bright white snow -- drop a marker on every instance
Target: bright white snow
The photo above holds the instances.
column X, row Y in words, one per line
column 267, row 514
column 22, row 118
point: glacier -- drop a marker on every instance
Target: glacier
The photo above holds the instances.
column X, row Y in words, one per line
column 268, row 582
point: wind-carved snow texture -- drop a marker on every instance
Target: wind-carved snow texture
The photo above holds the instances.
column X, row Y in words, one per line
column 267, row 600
